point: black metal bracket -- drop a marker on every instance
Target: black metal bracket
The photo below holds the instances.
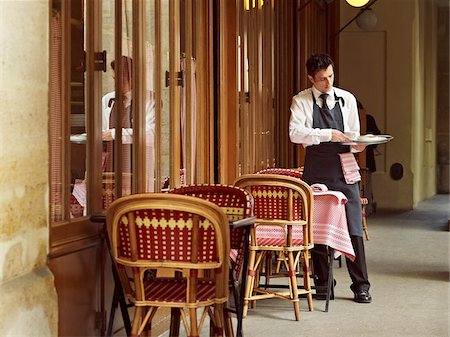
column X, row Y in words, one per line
column 100, row 61
column 180, row 79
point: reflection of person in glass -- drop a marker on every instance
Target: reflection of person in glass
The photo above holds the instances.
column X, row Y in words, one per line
column 108, row 102
column 321, row 118
column 109, row 115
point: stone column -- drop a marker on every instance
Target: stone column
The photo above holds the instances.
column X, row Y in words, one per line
column 28, row 296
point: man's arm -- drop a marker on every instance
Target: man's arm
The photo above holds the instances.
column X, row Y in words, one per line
column 300, row 124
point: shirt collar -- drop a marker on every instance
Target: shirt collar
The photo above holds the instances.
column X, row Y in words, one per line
column 317, row 93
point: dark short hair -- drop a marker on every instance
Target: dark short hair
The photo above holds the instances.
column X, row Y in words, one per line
column 127, row 63
column 318, row 62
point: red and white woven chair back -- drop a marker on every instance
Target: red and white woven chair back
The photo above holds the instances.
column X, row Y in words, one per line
column 236, row 204
column 277, row 198
column 282, row 171
column 234, row 201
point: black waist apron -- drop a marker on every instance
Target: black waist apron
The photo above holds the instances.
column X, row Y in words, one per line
column 323, row 165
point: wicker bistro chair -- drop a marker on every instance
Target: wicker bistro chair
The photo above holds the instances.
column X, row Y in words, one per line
column 295, row 173
column 282, row 171
column 171, row 232
column 281, row 205
column 236, row 204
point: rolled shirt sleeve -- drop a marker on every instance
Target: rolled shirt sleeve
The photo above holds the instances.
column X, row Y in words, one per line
column 301, row 129
column 301, row 121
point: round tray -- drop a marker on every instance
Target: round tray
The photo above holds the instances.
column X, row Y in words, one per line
column 377, row 139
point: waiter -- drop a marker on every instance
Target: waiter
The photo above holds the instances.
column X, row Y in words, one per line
column 322, row 117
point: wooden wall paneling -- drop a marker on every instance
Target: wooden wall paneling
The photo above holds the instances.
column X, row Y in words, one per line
column 251, row 87
column 263, row 86
column 258, row 95
column 268, row 69
column 211, row 99
column 139, row 72
column 285, row 78
column 202, row 31
column 93, row 111
column 246, row 126
column 119, row 96
column 175, row 95
column 157, row 75
column 76, row 282
column 188, row 37
column 244, row 91
column 66, row 108
column 228, row 100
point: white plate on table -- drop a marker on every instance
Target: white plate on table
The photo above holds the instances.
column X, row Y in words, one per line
column 78, row 139
column 370, row 139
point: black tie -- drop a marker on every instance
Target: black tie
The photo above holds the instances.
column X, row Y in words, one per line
column 326, row 113
column 324, row 100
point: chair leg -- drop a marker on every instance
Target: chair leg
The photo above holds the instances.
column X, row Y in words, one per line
column 228, row 324
column 136, row 321
column 366, row 231
column 307, row 281
column 293, row 285
column 219, row 316
column 193, row 323
column 250, row 281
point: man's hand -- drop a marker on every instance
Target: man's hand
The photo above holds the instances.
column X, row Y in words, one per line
column 107, row 135
column 359, row 147
column 339, row 137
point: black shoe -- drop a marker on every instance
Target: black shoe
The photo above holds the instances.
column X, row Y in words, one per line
column 362, row 296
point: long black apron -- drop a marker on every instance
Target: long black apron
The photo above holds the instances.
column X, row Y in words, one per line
column 323, row 165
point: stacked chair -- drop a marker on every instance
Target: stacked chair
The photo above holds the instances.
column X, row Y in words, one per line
column 283, row 206
column 150, row 233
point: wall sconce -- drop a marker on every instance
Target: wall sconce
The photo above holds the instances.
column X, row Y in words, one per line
column 367, row 20
column 357, row 3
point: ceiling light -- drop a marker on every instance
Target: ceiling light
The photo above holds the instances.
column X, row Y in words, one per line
column 357, row 3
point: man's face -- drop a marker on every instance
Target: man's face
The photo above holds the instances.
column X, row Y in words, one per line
column 323, row 80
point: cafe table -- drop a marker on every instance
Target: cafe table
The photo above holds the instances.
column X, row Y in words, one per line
column 330, row 229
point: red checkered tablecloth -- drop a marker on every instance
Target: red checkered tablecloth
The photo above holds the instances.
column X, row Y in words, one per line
column 330, row 222
column 329, row 225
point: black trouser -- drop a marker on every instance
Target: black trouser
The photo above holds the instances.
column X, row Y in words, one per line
column 357, row 269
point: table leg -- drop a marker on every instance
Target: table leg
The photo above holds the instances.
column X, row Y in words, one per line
column 175, row 320
column 119, row 298
column 240, row 307
column 114, row 303
column 330, row 287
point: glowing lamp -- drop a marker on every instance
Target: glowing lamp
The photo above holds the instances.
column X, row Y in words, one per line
column 357, row 3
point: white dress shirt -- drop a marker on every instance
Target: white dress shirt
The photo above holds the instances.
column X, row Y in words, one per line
column 301, row 129
column 127, row 133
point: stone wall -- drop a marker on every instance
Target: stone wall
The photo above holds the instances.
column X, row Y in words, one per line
column 29, row 301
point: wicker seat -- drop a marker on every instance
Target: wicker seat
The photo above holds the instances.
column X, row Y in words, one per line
column 236, row 204
column 283, row 208
column 166, row 232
